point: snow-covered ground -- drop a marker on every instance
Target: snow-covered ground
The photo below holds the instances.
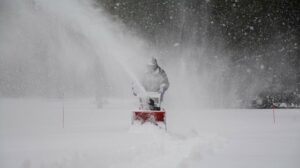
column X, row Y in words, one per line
column 32, row 136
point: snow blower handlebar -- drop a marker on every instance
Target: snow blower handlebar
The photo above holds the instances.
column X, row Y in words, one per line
column 150, row 101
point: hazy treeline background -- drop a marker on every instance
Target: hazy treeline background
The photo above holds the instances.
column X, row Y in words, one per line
column 258, row 40
column 217, row 53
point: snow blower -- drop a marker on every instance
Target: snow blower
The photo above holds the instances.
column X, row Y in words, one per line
column 150, row 111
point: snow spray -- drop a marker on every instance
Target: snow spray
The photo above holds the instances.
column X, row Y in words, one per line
column 59, row 53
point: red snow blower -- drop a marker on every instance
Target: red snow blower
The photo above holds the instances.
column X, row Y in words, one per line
column 150, row 111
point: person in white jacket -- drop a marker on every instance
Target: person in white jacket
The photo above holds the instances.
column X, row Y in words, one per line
column 155, row 79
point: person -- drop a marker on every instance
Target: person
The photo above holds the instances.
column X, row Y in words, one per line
column 155, row 79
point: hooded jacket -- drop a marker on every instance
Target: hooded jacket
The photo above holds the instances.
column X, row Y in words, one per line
column 155, row 81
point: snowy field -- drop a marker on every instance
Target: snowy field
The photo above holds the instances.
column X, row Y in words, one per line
column 32, row 136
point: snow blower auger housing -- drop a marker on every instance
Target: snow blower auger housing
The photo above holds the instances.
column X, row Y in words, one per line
column 150, row 111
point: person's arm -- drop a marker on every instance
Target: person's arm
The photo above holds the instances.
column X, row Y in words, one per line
column 165, row 83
